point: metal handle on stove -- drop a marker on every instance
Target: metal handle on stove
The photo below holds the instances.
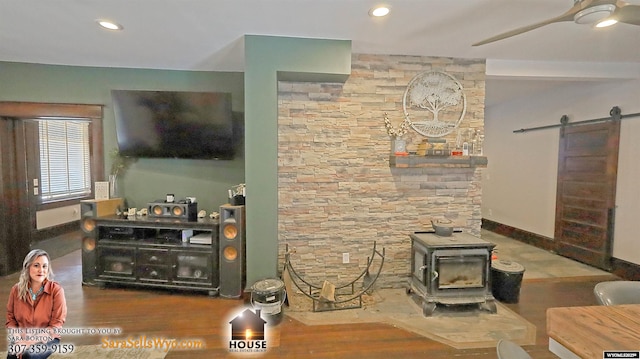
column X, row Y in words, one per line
column 435, row 274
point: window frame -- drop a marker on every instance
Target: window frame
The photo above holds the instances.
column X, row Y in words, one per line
column 58, row 139
column 27, row 111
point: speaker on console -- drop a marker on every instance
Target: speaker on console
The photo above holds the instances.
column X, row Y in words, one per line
column 188, row 211
column 232, row 251
column 90, row 210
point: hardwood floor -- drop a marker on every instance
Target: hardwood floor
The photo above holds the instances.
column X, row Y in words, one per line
column 178, row 315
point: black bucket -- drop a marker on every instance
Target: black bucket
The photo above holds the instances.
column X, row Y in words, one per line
column 506, row 279
column 268, row 295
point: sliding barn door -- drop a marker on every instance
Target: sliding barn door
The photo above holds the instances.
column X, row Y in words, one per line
column 585, row 204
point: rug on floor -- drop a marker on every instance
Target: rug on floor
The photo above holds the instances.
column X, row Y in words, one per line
column 461, row 329
column 98, row 352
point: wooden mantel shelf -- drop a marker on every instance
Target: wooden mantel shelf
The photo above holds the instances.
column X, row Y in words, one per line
column 413, row 161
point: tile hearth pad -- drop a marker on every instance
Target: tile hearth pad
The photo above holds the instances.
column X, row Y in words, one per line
column 459, row 329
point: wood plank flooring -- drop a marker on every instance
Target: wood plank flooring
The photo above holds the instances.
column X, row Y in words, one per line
column 177, row 315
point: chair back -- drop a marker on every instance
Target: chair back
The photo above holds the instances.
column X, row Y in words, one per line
column 617, row 292
column 509, row 350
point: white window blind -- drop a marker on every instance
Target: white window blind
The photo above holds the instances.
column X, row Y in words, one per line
column 65, row 167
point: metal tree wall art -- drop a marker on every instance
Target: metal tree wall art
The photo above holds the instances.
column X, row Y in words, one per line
column 434, row 103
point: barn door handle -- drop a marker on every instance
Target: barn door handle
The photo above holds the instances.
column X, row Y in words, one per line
column 611, row 220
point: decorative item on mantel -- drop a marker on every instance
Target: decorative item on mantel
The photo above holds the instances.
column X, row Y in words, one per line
column 434, row 104
column 477, row 139
column 398, row 145
column 433, row 147
column 468, row 142
column 458, row 148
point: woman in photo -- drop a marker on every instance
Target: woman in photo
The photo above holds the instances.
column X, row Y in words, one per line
column 36, row 308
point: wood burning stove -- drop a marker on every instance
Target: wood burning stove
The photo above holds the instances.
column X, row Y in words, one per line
column 451, row 270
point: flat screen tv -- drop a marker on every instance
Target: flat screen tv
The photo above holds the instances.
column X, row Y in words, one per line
column 173, row 124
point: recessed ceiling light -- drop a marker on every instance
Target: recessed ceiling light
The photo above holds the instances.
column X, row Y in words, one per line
column 379, row 11
column 110, row 25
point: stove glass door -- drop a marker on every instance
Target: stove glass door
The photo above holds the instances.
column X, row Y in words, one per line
column 460, row 272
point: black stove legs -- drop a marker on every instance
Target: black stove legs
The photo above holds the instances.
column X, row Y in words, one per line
column 427, row 307
column 489, row 306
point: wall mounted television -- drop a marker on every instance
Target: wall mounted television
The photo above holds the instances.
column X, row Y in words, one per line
column 174, row 124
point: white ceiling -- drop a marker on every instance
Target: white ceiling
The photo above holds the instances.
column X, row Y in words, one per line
column 208, row 34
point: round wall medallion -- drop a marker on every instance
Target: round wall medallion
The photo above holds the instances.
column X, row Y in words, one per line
column 434, row 103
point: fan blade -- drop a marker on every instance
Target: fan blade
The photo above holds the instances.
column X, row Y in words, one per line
column 567, row 16
column 629, row 14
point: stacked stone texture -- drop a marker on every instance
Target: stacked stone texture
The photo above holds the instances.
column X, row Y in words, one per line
column 336, row 191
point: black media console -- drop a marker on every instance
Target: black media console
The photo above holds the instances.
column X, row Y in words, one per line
column 158, row 252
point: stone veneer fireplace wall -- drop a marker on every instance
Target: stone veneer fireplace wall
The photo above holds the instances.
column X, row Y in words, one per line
column 338, row 193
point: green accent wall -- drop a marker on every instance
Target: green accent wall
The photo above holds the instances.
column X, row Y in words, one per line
column 267, row 60
column 148, row 179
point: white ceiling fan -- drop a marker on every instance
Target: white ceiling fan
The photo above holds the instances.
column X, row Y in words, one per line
column 583, row 12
